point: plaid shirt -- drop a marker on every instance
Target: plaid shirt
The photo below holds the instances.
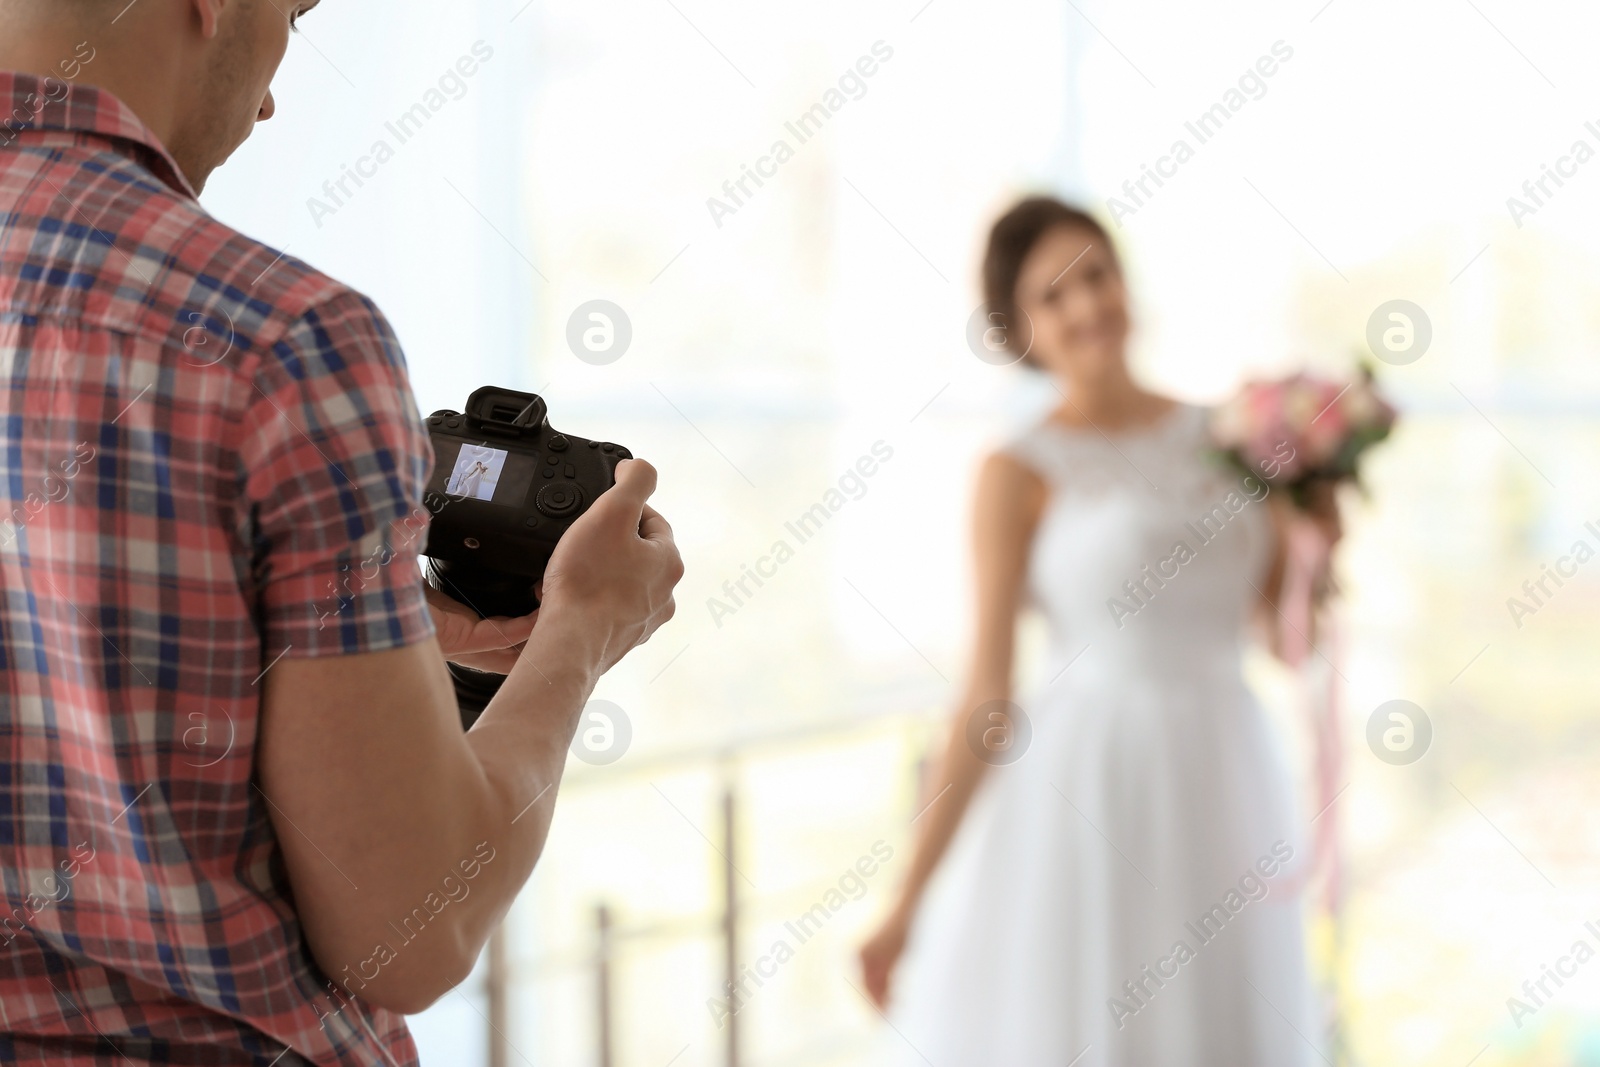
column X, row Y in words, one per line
column 211, row 459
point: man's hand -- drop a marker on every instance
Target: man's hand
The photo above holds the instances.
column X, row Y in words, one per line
column 613, row 573
column 472, row 641
column 618, row 562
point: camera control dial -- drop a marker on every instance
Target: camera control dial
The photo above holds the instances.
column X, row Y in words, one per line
column 558, row 499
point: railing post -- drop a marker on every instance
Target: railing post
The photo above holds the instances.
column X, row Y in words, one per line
column 604, row 942
column 730, row 921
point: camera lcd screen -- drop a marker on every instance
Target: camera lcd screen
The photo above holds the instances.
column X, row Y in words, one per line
column 476, row 474
column 481, row 472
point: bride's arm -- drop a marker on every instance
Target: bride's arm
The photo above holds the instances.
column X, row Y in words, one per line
column 1009, row 500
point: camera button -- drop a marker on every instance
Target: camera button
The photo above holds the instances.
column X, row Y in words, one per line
column 570, row 471
column 558, row 443
column 608, row 447
column 549, row 472
column 558, row 499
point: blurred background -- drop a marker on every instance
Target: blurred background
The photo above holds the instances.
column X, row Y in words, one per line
column 762, row 743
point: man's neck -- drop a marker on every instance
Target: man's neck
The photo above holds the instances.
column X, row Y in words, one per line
column 26, row 47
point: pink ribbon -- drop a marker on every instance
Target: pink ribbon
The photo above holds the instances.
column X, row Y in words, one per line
column 1308, row 555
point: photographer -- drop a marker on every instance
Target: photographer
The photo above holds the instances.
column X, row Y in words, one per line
column 239, row 820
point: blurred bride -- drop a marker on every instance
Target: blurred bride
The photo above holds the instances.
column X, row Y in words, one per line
column 1104, row 874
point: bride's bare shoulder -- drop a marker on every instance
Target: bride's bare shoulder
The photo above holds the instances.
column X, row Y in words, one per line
column 1005, row 466
column 1010, row 491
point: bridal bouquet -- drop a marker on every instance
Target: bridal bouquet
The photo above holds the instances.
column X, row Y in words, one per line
column 1303, row 435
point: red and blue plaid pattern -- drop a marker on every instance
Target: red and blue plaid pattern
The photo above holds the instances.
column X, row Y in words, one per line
column 210, row 459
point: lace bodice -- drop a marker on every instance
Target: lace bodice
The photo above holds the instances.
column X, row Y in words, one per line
column 1148, row 546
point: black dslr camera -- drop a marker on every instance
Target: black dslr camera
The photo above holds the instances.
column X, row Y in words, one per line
column 505, row 487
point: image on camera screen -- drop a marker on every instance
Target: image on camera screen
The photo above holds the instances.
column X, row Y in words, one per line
column 477, row 472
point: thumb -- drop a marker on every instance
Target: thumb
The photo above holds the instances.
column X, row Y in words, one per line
column 636, row 482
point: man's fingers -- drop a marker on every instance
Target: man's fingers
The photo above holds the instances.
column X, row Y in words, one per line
column 500, row 662
column 492, row 635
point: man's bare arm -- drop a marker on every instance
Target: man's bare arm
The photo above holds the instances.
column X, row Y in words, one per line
column 378, row 797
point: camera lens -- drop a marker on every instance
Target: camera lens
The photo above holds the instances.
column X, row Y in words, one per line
column 490, row 593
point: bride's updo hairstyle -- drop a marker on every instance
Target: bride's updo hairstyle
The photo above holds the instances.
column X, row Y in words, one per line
column 1010, row 240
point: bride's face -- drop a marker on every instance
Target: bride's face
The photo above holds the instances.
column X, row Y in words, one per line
column 1070, row 287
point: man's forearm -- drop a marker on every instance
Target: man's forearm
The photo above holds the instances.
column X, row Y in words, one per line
column 521, row 744
column 438, row 830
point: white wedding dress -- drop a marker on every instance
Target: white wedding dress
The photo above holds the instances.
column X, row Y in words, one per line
column 1150, row 791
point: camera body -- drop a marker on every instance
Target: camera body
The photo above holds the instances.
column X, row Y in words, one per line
column 509, row 484
column 505, row 486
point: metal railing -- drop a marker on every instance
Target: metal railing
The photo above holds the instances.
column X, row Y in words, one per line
column 609, row 937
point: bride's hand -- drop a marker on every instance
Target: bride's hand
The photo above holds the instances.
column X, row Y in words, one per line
column 1321, row 514
column 1322, row 509
column 880, row 954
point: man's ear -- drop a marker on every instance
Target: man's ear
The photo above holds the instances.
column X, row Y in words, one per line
column 209, row 13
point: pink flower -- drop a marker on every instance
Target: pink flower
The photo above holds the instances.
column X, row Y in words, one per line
column 1301, row 427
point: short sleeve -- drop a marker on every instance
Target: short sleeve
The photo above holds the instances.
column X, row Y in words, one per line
column 335, row 458
column 1034, row 449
